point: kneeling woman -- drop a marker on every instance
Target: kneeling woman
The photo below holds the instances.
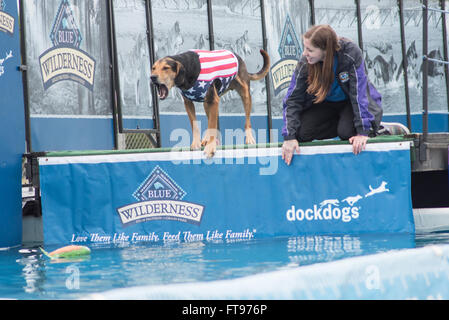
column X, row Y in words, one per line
column 330, row 94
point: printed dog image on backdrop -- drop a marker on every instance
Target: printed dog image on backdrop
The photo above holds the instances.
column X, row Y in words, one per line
column 204, row 76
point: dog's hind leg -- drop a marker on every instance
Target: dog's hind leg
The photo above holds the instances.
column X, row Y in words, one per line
column 196, row 140
column 244, row 92
column 211, row 102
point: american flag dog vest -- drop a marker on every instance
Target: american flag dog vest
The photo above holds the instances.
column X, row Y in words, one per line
column 219, row 64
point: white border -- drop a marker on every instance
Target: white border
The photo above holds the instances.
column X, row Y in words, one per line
column 230, row 153
column 70, row 116
column 183, row 113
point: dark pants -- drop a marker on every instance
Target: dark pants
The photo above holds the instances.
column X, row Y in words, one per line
column 327, row 120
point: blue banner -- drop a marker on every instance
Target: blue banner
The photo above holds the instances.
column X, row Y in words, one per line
column 240, row 194
column 12, row 125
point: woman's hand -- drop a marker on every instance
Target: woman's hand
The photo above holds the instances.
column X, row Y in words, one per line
column 358, row 143
column 288, row 148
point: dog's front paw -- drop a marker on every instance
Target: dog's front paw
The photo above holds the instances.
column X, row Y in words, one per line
column 250, row 139
column 210, row 148
column 196, row 145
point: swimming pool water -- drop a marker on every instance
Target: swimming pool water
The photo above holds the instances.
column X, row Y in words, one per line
column 27, row 274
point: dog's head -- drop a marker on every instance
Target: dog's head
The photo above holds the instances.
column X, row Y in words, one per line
column 165, row 74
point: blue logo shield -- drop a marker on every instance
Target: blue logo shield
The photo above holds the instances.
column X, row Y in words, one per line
column 159, row 186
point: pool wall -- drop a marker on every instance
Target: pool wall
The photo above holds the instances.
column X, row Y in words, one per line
column 240, row 194
column 12, row 127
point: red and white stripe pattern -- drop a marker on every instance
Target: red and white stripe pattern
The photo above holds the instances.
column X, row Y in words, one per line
column 217, row 64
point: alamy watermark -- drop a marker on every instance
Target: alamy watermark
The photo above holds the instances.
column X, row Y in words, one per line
column 265, row 155
column 72, row 281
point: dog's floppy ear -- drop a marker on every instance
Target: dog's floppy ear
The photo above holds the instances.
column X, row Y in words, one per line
column 180, row 74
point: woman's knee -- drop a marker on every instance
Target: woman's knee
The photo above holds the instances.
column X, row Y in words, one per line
column 344, row 133
column 305, row 134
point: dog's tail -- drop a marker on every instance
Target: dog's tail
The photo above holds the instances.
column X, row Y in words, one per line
column 266, row 67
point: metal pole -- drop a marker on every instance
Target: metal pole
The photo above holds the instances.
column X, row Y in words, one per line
column 211, row 25
column 150, row 37
column 425, row 71
column 445, row 50
column 359, row 23
column 405, row 64
column 267, row 78
column 312, row 12
column 115, row 88
column 23, row 68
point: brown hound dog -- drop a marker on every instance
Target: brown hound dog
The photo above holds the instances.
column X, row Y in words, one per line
column 196, row 74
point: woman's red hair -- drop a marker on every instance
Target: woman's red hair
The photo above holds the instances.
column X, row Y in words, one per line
column 321, row 74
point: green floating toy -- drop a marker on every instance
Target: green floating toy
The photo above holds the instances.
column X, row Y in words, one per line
column 68, row 252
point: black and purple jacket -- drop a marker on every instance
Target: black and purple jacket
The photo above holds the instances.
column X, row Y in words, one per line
column 351, row 76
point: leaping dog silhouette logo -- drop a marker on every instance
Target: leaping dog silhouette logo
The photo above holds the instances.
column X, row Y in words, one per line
column 352, row 200
column 382, row 188
column 333, row 202
column 2, row 68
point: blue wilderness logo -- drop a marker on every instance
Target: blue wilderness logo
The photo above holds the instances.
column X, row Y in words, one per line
column 290, row 52
column 65, row 60
column 6, row 21
column 160, row 198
